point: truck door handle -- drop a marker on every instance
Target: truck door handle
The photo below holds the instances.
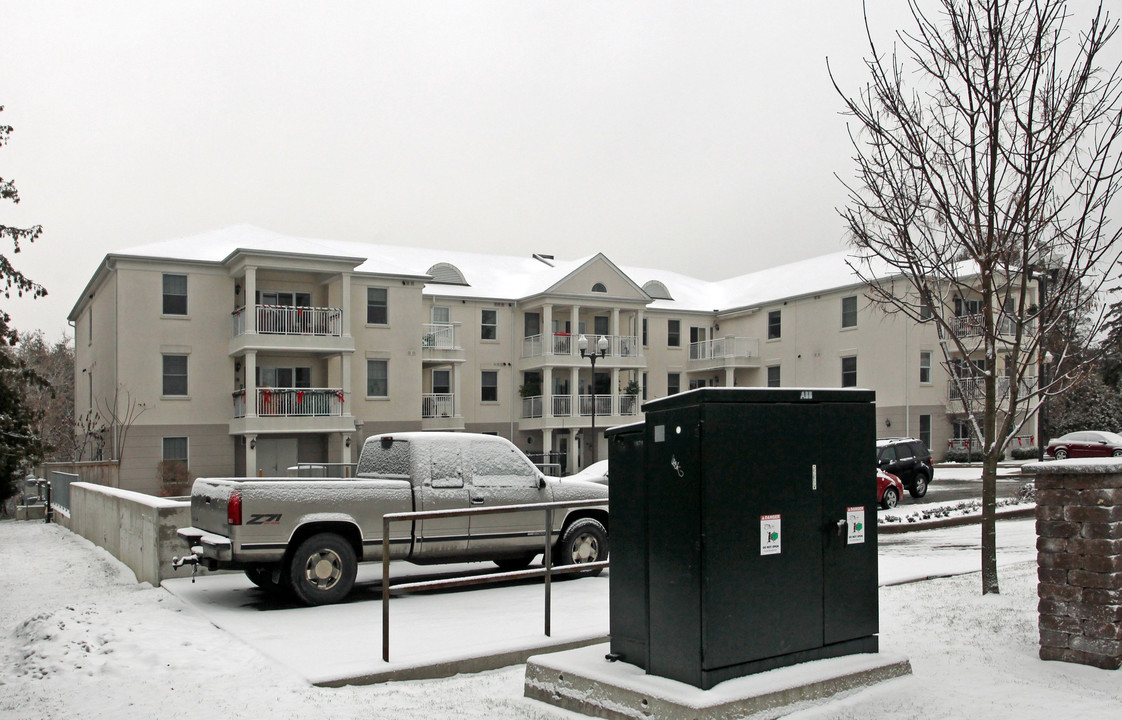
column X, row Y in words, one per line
column 478, row 501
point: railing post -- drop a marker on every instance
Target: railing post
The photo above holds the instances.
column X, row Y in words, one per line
column 548, row 558
column 385, row 589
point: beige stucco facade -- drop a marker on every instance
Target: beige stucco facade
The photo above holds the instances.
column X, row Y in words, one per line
column 275, row 358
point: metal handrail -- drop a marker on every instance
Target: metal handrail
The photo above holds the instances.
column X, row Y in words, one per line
column 547, row 572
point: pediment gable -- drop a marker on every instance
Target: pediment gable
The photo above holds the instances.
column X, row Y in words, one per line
column 599, row 277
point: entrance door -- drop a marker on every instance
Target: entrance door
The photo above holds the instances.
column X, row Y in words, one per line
column 275, row 456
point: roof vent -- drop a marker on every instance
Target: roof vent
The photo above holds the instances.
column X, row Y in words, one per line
column 447, row 274
column 541, row 257
column 657, row 290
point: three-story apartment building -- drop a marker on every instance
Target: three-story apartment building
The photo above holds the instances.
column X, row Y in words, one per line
column 248, row 352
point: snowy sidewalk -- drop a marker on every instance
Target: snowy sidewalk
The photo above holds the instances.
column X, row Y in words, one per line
column 79, row 638
column 440, row 634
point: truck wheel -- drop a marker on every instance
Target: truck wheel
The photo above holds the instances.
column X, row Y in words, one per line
column 322, row 570
column 262, row 577
column 517, row 563
column 585, row 541
column 919, row 486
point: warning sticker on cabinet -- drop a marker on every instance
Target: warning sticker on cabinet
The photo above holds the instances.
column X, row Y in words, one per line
column 855, row 519
column 769, row 534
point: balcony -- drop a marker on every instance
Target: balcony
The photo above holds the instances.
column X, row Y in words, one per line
column 292, row 402
column 283, row 327
column 292, row 410
column 286, row 320
column 439, row 343
column 724, row 352
column 973, row 388
column 965, row 326
column 438, row 412
column 626, row 350
column 606, row 406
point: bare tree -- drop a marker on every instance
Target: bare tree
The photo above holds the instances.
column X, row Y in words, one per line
column 119, row 413
column 987, row 153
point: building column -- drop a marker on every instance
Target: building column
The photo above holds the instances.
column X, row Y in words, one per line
column 344, row 448
column 574, row 451
column 457, row 391
column 615, row 395
column 730, row 376
column 547, row 392
column 250, row 384
column 251, row 456
column 345, row 303
column 251, row 300
column 547, row 445
column 547, row 329
column 574, row 327
column 345, row 363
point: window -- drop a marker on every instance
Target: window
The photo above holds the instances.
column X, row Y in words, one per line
column 925, row 430
column 175, row 448
column 925, row 312
column 489, row 325
column 644, row 376
column 175, row 375
column 773, row 325
column 494, row 464
column 925, row 367
column 773, row 376
column 599, row 288
column 284, row 377
column 600, row 325
column 645, row 343
column 377, row 307
column 175, row 294
column 849, row 311
column 673, row 383
column 849, row 372
column 531, row 325
column 673, row 333
column 489, row 386
column 377, row 378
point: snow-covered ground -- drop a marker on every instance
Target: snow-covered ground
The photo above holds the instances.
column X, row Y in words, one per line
column 79, row 639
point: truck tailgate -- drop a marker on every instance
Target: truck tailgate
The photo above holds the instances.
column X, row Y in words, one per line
column 209, row 499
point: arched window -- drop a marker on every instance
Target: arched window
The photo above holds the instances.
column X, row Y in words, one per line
column 599, row 287
column 447, row 274
column 657, row 290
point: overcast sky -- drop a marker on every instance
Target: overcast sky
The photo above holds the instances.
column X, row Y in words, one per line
column 698, row 136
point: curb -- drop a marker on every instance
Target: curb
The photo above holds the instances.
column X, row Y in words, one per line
column 903, row 527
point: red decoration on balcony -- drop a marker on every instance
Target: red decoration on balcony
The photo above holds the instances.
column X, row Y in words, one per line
column 339, row 394
column 300, row 397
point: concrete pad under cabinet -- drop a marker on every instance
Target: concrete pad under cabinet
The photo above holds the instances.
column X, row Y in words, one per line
column 581, row 680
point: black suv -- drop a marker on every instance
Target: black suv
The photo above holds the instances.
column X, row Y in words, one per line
column 909, row 460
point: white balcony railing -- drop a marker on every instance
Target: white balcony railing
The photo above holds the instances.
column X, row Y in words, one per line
column 438, row 336
column 974, row 388
column 438, row 405
column 621, row 346
column 292, row 402
column 285, row 320
column 563, row 405
column 726, row 348
column 964, row 326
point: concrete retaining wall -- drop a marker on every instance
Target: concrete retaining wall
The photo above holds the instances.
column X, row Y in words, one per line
column 137, row 529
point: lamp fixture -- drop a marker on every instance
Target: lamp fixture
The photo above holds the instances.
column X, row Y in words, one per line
column 347, row 442
column 252, row 443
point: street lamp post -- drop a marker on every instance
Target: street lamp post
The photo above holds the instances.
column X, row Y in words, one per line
column 601, row 351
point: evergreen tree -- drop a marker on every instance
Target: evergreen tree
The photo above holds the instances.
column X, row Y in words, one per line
column 19, row 444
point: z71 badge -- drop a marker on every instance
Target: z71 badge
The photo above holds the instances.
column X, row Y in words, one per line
column 264, row 519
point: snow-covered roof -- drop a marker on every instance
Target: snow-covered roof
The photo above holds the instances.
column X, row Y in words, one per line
column 508, row 277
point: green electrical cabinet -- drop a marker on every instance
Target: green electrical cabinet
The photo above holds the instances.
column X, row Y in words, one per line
column 760, row 518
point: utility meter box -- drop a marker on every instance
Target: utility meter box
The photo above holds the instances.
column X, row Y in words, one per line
column 760, row 519
column 628, row 614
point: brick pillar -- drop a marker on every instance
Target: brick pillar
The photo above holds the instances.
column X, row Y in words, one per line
column 1079, row 556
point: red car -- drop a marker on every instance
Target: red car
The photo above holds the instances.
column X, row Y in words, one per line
column 1086, row 443
column 889, row 489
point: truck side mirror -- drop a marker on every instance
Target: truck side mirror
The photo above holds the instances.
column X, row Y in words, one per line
column 541, row 482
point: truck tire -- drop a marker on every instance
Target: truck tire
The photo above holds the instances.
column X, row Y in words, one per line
column 322, row 569
column 262, row 577
column 585, row 541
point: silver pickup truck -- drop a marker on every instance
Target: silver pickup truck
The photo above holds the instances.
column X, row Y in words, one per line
column 307, row 535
